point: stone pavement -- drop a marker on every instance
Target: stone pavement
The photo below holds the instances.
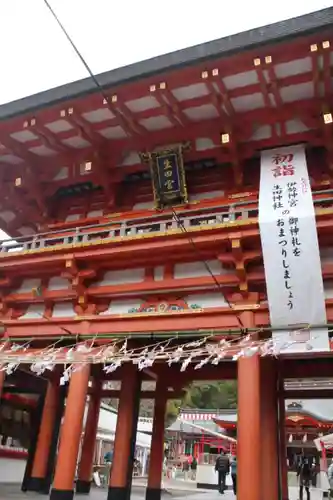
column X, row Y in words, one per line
column 176, row 491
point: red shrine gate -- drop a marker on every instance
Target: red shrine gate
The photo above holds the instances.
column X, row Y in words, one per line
column 136, row 253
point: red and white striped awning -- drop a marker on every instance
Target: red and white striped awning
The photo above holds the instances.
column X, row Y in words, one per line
column 199, row 417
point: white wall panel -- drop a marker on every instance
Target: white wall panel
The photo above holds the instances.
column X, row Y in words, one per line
column 57, row 283
column 147, row 205
column 122, row 306
column 73, row 217
column 7, row 216
column 206, row 300
column 207, row 195
column 197, row 269
column 158, row 273
column 122, row 276
column 95, row 213
column 63, row 310
column 28, row 285
column 26, row 230
column 34, row 311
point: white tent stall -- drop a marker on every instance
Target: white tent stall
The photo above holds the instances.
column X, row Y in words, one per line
column 106, row 434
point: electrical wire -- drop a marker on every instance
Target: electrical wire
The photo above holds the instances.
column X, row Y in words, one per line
column 76, row 50
column 207, row 266
column 180, row 223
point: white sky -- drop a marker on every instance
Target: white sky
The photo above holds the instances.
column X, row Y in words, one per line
column 36, row 56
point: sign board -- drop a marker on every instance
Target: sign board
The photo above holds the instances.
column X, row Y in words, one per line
column 168, row 177
column 290, row 249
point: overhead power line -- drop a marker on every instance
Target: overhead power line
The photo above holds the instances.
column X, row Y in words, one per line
column 76, row 50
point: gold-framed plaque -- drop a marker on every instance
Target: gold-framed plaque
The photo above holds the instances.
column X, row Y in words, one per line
column 168, row 177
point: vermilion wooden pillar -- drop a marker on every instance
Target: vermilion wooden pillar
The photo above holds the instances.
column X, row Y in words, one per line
column 70, row 437
column 36, row 419
column 282, row 445
column 124, row 444
column 154, row 490
column 89, row 441
column 40, row 462
column 248, row 424
column 248, row 429
column 54, row 440
column 269, row 429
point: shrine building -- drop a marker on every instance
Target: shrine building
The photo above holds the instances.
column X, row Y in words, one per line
column 305, row 421
column 172, row 224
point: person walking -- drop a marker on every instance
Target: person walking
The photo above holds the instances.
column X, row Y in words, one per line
column 233, row 471
column 186, row 468
column 222, row 467
column 304, row 474
column 194, row 465
column 330, row 478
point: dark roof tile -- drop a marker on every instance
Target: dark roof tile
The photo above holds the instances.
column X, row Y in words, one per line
column 273, row 33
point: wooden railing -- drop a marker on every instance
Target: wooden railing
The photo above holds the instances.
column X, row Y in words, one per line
column 157, row 223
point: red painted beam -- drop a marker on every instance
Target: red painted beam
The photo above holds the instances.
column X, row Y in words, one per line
column 181, row 106
column 205, row 128
column 102, row 324
column 19, row 400
column 307, row 367
column 206, row 237
column 110, row 394
column 13, row 454
column 299, row 394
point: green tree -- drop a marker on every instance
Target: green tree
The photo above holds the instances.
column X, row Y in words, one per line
column 215, row 395
column 172, row 411
column 200, row 395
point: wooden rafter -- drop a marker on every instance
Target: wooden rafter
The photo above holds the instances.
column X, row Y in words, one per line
column 225, row 109
column 169, row 104
column 123, row 116
column 82, row 126
column 269, row 87
column 225, row 97
column 12, row 200
column 29, row 172
column 237, row 253
column 49, row 140
column 98, row 157
column 321, row 76
column 327, row 72
column 246, row 119
column 100, row 166
column 77, row 278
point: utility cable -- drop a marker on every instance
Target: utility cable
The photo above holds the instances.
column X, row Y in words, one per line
column 204, row 261
column 180, row 223
column 78, row 53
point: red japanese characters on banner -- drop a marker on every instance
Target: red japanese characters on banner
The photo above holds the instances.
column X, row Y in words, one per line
column 283, row 165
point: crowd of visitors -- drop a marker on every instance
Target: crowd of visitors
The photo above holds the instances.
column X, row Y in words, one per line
column 306, row 472
column 190, row 468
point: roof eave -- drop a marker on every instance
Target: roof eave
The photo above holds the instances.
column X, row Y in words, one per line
column 271, row 34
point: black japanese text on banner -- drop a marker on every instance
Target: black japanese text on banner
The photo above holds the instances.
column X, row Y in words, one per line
column 290, row 250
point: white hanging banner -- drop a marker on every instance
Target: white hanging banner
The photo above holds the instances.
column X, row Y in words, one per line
column 290, row 251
